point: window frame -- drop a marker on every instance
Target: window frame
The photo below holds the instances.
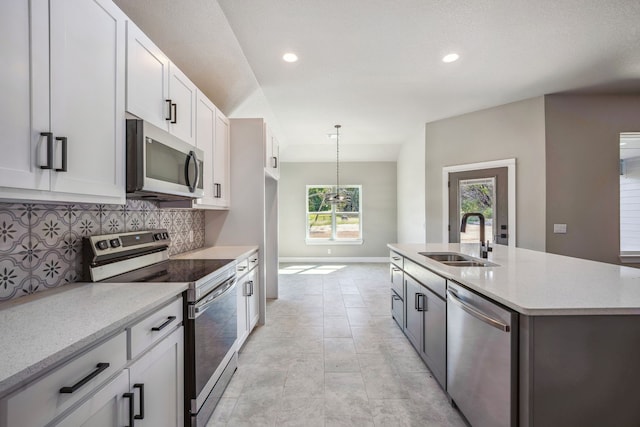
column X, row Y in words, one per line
column 333, row 240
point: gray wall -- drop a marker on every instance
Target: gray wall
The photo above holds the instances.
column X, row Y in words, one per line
column 513, row 130
column 582, row 158
column 411, row 190
column 378, row 180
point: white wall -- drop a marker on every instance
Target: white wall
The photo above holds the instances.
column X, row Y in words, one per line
column 515, row 130
column 379, row 213
column 411, row 190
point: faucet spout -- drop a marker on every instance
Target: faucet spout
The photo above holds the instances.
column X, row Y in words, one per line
column 484, row 250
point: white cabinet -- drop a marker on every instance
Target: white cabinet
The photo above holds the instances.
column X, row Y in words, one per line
column 63, row 129
column 248, row 296
column 272, row 153
column 157, row 91
column 157, row 382
column 212, row 136
column 109, row 407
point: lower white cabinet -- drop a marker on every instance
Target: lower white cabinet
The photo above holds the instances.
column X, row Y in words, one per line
column 157, row 383
column 248, row 301
column 107, row 408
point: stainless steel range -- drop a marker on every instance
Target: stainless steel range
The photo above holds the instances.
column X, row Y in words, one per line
column 210, row 306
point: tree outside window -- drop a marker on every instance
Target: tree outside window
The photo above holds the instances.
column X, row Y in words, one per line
column 333, row 223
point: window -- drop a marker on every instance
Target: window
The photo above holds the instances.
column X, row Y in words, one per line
column 327, row 223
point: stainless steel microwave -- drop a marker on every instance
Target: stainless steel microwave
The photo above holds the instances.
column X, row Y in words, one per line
column 161, row 166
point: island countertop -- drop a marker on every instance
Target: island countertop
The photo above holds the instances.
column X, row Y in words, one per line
column 538, row 283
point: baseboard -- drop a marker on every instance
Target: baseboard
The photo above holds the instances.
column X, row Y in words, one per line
column 333, row 259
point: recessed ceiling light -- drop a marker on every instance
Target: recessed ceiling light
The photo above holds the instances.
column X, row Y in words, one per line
column 290, row 57
column 451, row 57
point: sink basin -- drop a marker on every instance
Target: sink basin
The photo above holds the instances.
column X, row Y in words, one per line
column 455, row 259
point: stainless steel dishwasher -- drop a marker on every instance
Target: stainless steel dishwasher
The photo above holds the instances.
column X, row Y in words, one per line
column 481, row 358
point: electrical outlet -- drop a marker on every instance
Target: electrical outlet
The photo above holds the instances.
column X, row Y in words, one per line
column 190, row 236
column 560, row 228
column 329, row 251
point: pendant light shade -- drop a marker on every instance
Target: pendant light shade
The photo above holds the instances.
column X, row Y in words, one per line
column 339, row 196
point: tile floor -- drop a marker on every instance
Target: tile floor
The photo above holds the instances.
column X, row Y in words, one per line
column 331, row 355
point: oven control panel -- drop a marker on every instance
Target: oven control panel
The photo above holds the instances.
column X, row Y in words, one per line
column 108, row 247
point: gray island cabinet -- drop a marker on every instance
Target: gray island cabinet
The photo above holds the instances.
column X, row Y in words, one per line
column 575, row 358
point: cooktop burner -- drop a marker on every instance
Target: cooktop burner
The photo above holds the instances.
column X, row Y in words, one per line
column 173, row 270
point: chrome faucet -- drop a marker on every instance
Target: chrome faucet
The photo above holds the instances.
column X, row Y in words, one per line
column 484, row 247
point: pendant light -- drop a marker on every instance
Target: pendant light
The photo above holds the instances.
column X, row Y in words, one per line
column 340, row 196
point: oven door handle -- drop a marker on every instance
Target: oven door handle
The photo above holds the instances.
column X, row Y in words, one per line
column 220, row 291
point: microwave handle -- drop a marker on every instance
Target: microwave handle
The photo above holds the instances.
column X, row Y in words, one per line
column 192, row 187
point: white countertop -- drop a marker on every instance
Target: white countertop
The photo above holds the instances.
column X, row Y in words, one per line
column 539, row 283
column 40, row 331
column 218, row 252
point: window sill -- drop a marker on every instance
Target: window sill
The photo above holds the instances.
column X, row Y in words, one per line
column 334, row 242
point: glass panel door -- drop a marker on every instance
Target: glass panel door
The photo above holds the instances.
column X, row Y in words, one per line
column 477, row 196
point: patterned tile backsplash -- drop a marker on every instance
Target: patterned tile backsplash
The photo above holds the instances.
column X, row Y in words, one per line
column 41, row 244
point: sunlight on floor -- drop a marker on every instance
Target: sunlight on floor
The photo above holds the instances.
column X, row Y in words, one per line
column 310, row 269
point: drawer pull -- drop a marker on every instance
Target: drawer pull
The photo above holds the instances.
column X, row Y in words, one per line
column 165, row 324
column 241, row 268
column 395, row 258
column 99, row 368
column 254, row 260
column 131, row 408
column 140, row 416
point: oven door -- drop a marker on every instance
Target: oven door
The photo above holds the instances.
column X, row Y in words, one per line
column 214, row 321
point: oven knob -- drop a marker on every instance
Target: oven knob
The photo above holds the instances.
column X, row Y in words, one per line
column 102, row 244
column 114, row 243
column 165, row 235
column 158, row 236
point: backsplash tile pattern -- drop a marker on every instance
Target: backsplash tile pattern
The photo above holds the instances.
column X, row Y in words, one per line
column 41, row 244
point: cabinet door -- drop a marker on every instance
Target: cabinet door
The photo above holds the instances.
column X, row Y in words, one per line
column 19, row 164
column 243, row 311
column 253, row 299
column 182, row 93
column 414, row 321
column 87, row 57
column 147, row 79
column 205, row 135
column 107, row 408
column 435, row 336
column 222, row 161
column 157, row 382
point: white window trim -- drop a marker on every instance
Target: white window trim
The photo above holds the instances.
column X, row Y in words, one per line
column 331, row 241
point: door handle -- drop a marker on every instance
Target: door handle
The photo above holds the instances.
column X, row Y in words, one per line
column 140, row 416
column 174, row 107
column 421, row 302
column 63, row 139
column 131, row 409
column 168, row 101
column 477, row 313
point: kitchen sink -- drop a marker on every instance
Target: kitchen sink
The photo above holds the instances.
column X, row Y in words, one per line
column 455, row 259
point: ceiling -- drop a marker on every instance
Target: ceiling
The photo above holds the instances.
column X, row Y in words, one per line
column 374, row 66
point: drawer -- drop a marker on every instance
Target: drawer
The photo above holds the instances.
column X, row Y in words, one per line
column 154, row 327
column 42, row 400
column 395, row 258
column 431, row 280
column 253, row 260
column 397, row 280
column 397, row 309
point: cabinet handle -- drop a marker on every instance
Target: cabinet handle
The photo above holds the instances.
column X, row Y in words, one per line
column 395, row 269
column 241, row 268
column 218, row 191
column 99, row 368
column 49, row 136
column 395, row 258
column 140, row 416
column 165, row 324
column 420, row 302
column 63, row 139
column 175, row 113
column 168, row 101
column 131, row 408
column 253, row 260
column 274, row 162
column 250, row 287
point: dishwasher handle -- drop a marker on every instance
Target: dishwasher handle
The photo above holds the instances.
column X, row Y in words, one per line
column 477, row 313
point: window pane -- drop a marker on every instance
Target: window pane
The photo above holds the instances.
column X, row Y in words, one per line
column 354, row 204
column 348, row 225
column 316, row 199
column 477, row 195
column 319, row 225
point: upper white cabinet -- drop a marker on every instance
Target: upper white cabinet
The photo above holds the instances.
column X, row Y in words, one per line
column 212, row 136
column 63, row 131
column 157, row 91
column 272, row 153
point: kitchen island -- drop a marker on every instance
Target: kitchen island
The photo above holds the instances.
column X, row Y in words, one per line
column 577, row 331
